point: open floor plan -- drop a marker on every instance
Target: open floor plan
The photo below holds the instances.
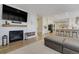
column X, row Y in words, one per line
column 39, row 28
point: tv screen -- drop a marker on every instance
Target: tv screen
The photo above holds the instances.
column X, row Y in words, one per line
column 13, row 14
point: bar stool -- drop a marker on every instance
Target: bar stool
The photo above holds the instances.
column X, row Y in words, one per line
column 57, row 32
column 74, row 32
column 67, row 33
column 71, row 33
column 62, row 33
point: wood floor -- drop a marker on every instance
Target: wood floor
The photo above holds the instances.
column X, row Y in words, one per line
column 20, row 44
column 16, row 45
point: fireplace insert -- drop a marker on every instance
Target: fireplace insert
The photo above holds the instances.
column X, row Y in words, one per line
column 15, row 35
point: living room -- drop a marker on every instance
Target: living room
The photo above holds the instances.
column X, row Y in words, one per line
column 24, row 28
column 39, row 29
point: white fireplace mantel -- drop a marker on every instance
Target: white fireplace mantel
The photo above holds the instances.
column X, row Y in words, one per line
column 5, row 31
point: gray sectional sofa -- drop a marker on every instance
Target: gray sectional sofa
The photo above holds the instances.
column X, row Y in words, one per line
column 62, row 44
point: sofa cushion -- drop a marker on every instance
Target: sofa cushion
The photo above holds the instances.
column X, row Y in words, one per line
column 69, row 51
column 56, row 39
column 72, row 44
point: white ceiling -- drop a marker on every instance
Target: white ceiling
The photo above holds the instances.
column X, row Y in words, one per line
column 48, row 9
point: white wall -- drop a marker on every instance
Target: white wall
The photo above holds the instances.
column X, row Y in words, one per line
column 0, row 11
column 31, row 25
column 31, row 21
column 46, row 21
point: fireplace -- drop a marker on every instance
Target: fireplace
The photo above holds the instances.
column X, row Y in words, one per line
column 15, row 35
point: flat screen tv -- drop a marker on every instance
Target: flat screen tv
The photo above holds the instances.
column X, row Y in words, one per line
column 13, row 14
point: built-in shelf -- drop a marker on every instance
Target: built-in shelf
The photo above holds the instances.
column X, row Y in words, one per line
column 14, row 25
